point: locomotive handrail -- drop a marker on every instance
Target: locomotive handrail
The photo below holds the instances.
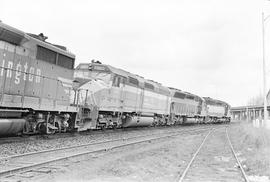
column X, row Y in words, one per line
column 5, row 68
column 41, row 76
column 28, row 73
column 3, row 83
column 14, row 110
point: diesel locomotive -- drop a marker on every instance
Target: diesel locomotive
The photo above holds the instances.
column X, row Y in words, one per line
column 42, row 92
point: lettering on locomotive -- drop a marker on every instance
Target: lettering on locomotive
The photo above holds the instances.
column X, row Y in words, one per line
column 20, row 71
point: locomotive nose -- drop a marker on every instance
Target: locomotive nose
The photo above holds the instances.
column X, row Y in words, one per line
column 89, row 93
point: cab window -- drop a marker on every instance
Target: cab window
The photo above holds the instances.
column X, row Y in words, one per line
column 117, row 80
column 133, row 81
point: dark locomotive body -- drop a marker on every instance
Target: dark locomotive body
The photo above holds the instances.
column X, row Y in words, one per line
column 36, row 83
column 41, row 92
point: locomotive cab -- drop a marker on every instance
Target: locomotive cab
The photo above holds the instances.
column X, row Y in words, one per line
column 95, row 81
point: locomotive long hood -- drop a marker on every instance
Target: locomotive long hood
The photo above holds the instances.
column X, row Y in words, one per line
column 11, row 35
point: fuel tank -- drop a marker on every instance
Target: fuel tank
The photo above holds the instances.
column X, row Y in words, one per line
column 137, row 121
column 11, row 126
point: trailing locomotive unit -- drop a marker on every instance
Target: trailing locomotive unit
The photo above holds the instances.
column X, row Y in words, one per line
column 127, row 100
column 186, row 107
column 216, row 111
column 36, row 83
column 123, row 99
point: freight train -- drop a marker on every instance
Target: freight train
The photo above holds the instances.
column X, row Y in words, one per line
column 42, row 92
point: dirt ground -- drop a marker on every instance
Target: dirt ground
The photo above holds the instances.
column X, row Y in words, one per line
column 161, row 161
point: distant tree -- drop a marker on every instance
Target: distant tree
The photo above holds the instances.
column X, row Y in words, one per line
column 257, row 100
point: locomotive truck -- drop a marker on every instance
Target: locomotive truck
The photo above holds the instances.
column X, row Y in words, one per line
column 41, row 92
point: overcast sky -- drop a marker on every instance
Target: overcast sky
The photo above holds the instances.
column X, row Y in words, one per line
column 210, row 47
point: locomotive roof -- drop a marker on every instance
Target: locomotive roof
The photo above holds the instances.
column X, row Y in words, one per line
column 18, row 37
column 157, row 86
column 121, row 72
column 173, row 90
column 126, row 74
column 212, row 101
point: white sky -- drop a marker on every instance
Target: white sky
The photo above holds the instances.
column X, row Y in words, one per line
column 210, row 47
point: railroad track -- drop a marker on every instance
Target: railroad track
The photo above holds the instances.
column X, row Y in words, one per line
column 187, row 174
column 13, row 165
column 25, row 138
column 31, row 145
column 36, row 137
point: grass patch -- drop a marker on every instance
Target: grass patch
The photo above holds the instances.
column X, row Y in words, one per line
column 254, row 145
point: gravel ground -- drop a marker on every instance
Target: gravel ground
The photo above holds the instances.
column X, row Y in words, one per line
column 161, row 160
column 45, row 143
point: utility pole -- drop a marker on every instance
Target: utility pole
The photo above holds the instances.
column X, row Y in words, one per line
column 264, row 70
column 247, row 115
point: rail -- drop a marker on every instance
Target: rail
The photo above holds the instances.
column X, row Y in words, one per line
column 193, row 157
column 236, row 158
column 183, row 175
